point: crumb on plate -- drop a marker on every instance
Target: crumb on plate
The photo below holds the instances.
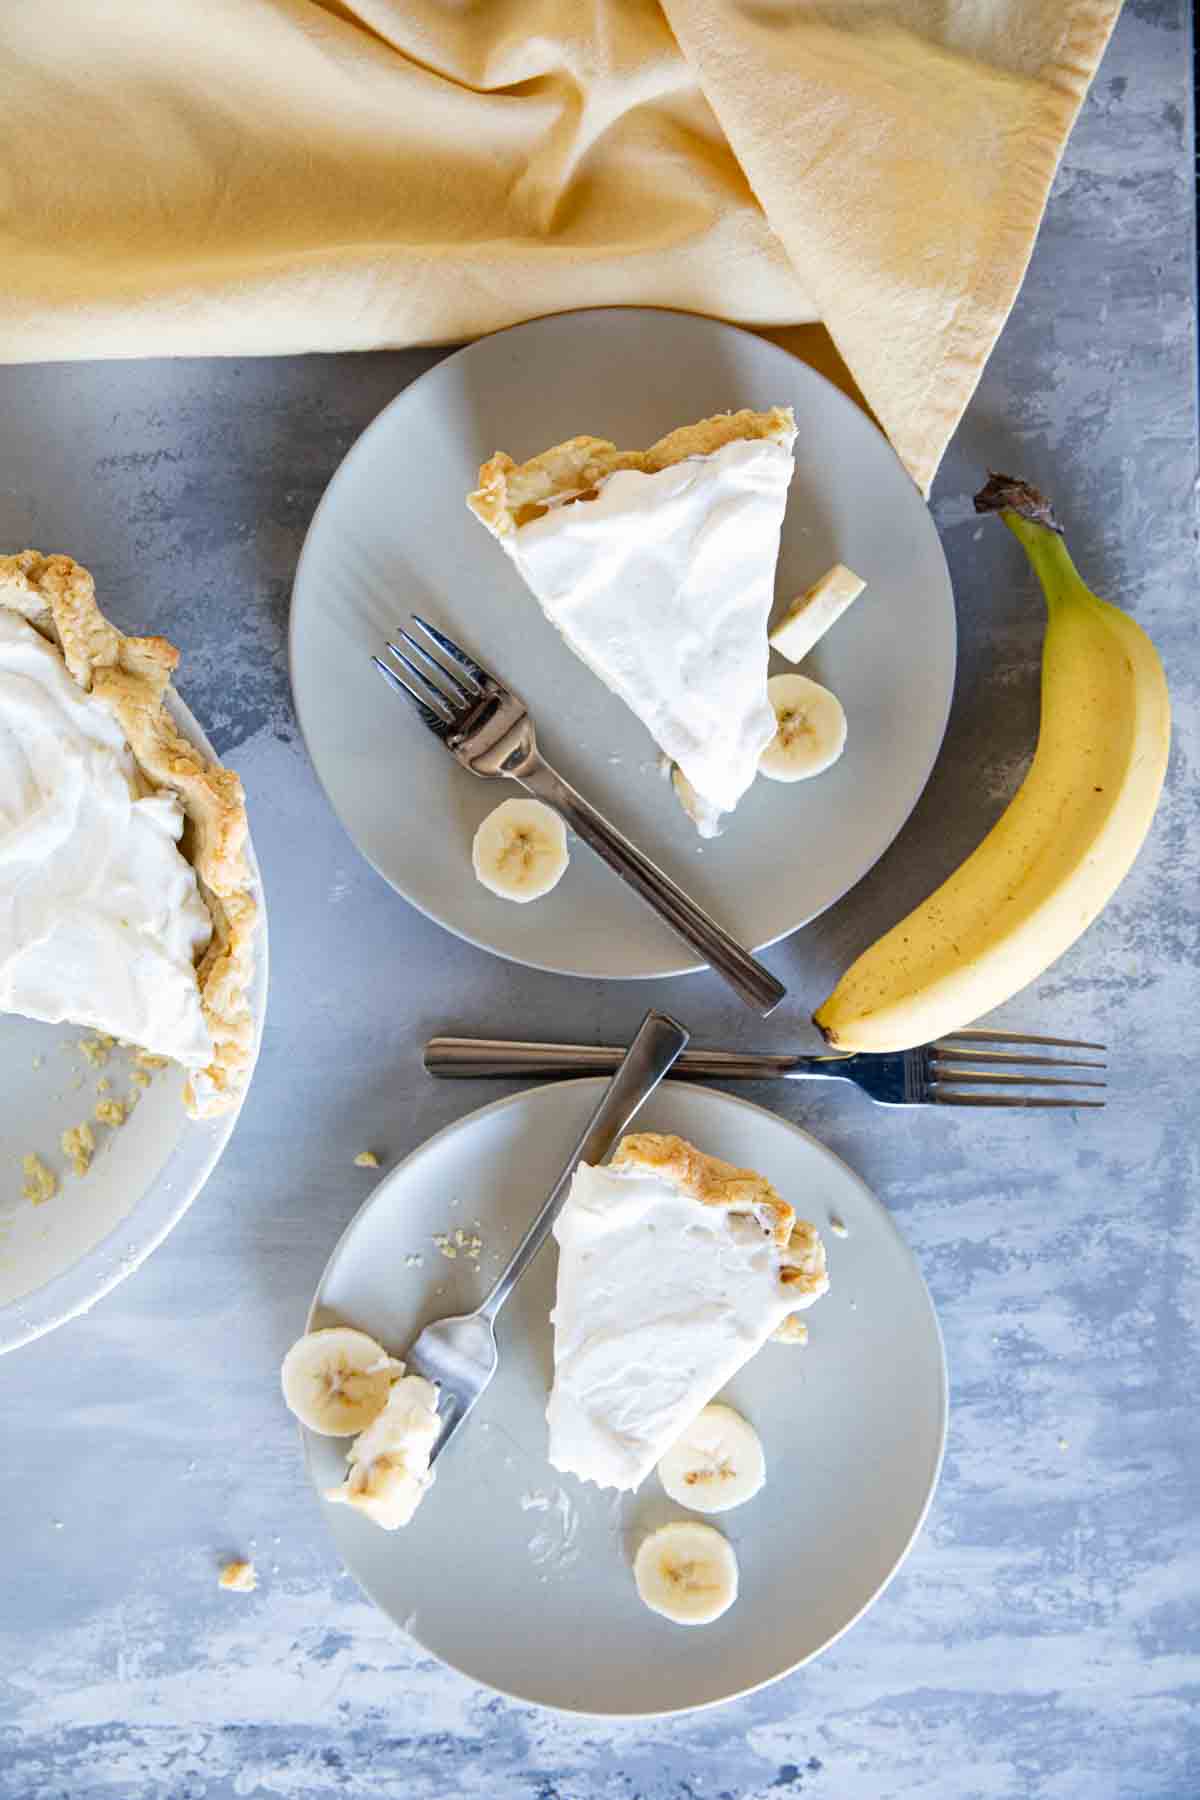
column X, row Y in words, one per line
column 79, row 1145
column 366, row 1159
column 41, row 1183
column 110, row 1112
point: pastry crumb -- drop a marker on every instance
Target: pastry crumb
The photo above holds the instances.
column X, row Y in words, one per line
column 147, row 1060
column 838, row 1225
column 110, row 1112
column 238, row 1577
column 38, row 1061
column 95, row 1050
column 366, row 1159
column 41, row 1183
column 459, row 1243
column 79, row 1146
column 140, row 1078
column 414, row 1262
column 1063, row 1444
column 103, row 1085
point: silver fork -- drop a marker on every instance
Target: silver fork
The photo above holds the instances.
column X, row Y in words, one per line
column 460, row 1354
column 933, row 1075
column 488, row 729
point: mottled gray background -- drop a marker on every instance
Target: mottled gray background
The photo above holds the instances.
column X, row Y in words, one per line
column 1043, row 1640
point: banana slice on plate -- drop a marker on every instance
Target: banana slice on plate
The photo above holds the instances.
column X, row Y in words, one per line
column 520, row 850
column 337, row 1381
column 810, row 730
column 717, row 1463
column 808, row 618
column 687, row 1572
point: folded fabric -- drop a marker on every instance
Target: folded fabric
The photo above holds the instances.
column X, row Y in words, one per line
column 260, row 176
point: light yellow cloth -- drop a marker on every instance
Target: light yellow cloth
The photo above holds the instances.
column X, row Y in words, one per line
column 256, row 176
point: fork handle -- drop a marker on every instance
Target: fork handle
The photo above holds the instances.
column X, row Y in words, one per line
column 483, row 1057
column 730, row 960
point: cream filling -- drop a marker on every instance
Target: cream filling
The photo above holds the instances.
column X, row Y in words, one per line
column 101, row 921
column 663, row 585
column 660, row 1301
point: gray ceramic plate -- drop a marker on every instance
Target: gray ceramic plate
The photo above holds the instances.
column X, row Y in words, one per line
column 520, row 1577
column 393, row 535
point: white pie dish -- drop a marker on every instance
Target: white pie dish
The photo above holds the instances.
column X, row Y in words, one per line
column 506, row 1559
column 393, row 535
column 58, row 1259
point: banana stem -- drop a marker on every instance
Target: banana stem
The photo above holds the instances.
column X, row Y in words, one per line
column 1030, row 518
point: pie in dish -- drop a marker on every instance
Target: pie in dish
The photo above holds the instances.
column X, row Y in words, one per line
column 674, row 1268
column 126, row 903
column 658, row 568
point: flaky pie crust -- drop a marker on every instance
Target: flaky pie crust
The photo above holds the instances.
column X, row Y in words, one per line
column 510, row 493
column 132, row 676
column 715, row 1183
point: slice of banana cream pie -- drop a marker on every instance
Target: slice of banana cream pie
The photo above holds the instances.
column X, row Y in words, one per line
column 658, row 568
column 126, row 904
column 674, row 1269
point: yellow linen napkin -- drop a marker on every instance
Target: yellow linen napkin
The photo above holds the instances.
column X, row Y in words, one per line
column 258, row 176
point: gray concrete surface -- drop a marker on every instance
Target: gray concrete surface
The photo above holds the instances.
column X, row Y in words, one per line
column 1043, row 1639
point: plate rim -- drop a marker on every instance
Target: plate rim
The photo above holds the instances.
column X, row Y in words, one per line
column 511, row 956
column 127, row 1246
column 597, row 1083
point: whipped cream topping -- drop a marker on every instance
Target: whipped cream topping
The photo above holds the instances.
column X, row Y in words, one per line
column 101, row 920
column 389, row 1461
column 660, row 1300
column 663, row 585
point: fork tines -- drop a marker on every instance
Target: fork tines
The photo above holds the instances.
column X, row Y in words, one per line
column 441, row 702
column 998, row 1072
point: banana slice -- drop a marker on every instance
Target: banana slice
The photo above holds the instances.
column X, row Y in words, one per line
column 520, row 850
column 808, row 619
column 687, row 1572
column 717, row 1463
column 811, row 732
column 337, row 1381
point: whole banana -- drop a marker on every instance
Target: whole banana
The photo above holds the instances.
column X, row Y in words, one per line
column 1056, row 855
